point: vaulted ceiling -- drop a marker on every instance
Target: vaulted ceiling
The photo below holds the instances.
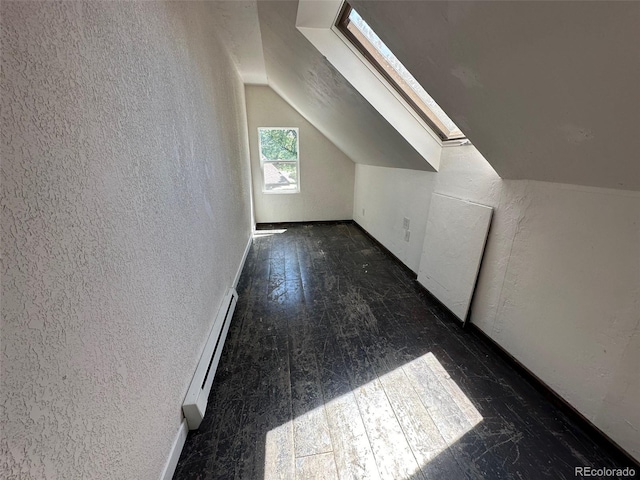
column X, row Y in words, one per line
column 545, row 90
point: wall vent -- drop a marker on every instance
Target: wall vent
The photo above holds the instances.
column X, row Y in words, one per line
column 195, row 403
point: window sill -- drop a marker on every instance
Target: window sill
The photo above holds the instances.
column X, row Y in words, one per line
column 271, row 192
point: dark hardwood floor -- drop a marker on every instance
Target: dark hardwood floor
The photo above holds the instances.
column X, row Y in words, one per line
column 338, row 365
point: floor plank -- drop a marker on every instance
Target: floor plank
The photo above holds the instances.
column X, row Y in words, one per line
column 279, row 458
column 316, row 467
column 392, row 453
column 352, row 451
column 450, row 420
column 412, row 415
column 310, row 425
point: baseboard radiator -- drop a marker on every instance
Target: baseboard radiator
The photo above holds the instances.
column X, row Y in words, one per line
column 195, row 403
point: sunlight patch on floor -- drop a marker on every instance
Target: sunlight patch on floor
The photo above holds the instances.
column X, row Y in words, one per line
column 268, row 233
column 278, row 462
column 389, row 427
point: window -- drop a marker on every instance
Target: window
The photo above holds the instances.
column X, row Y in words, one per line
column 279, row 160
column 360, row 34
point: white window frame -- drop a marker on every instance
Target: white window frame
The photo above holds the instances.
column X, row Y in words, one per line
column 295, row 162
column 393, row 78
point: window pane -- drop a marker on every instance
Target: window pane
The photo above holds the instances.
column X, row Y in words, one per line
column 279, row 157
column 280, row 176
column 279, row 144
column 400, row 75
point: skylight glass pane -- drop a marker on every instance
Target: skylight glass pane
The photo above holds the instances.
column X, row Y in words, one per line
column 357, row 21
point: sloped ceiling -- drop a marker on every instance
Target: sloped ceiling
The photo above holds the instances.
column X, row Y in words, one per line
column 238, row 27
column 304, row 78
column 545, row 90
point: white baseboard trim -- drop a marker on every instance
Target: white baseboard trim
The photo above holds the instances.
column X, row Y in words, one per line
column 241, row 266
column 181, row 437
column 176, row 450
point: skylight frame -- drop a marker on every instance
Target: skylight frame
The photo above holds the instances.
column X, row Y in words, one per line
column 394, row 80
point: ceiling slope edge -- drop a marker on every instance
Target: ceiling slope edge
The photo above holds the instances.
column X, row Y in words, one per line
column 316, row 21
column 313, row 87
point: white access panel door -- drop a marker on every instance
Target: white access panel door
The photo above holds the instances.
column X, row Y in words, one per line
column 453, row 246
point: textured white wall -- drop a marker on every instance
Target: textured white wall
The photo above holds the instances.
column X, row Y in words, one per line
column 384, row 197
column 326, row 174
column 125, row 213
column 559, row 286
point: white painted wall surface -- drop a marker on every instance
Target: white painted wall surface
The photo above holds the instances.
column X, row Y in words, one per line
column 125, row 213
column 383, row 197
column 326, row 174
column 559, row 287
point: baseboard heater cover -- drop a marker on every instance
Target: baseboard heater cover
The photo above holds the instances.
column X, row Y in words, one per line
column 195, row 403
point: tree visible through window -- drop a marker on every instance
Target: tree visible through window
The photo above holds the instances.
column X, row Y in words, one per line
column 279, row 159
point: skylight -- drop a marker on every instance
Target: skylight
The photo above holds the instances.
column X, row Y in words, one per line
column 352, row 25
